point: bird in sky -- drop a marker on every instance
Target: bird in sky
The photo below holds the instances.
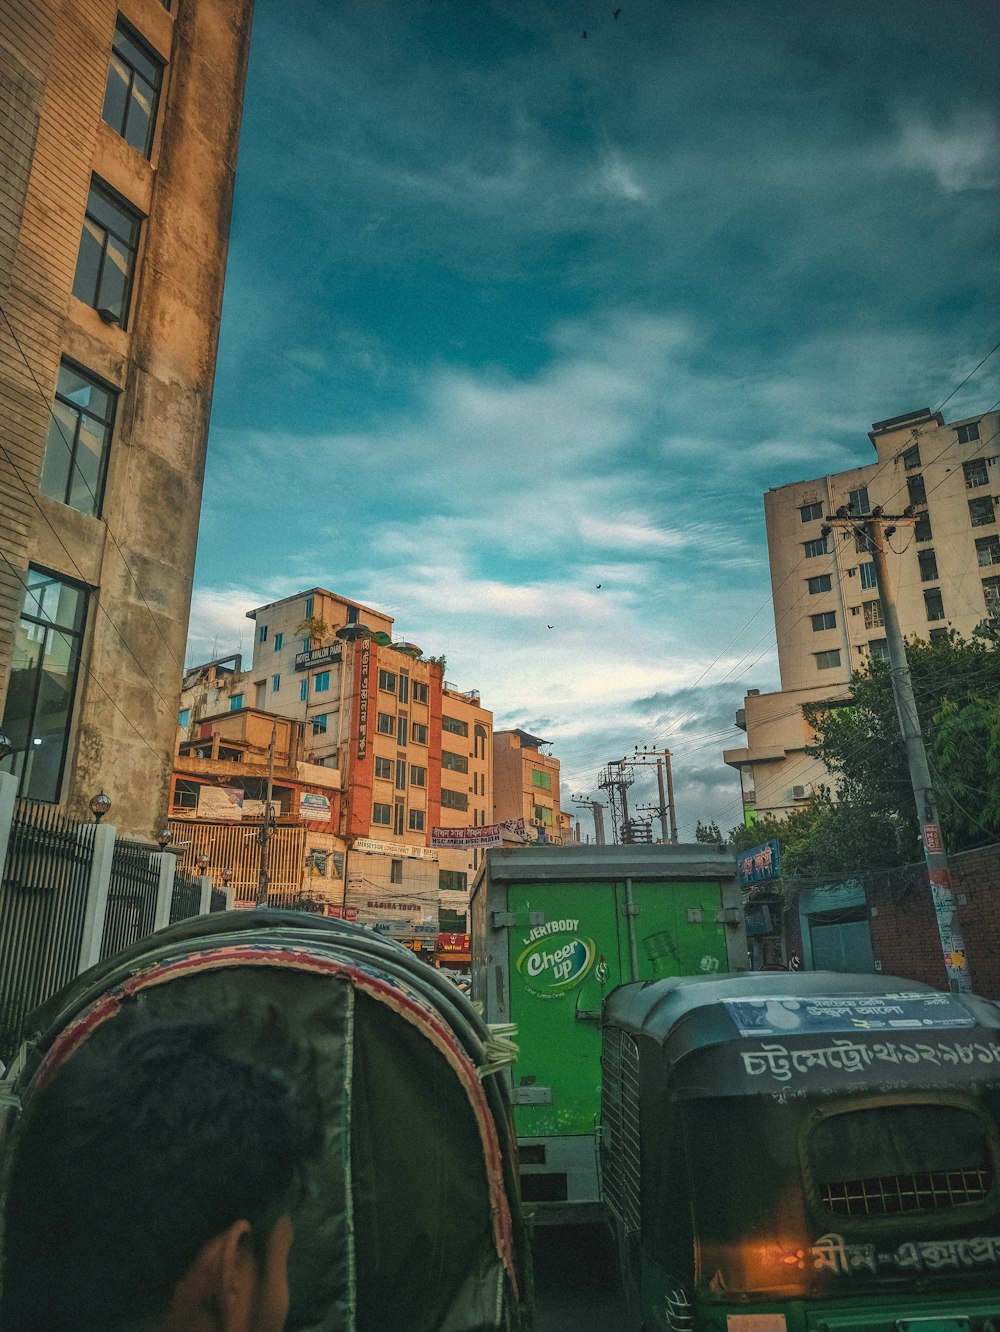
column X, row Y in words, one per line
column 598, row 585
column 550, row 626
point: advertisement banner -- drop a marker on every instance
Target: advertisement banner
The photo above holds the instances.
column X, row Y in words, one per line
column 373, row 847
column 759, row 863
column 314, row 806
column 490, row 834
column 365, row 654
column 220, row 802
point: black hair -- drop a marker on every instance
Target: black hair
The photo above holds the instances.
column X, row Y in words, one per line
column 166, row 1126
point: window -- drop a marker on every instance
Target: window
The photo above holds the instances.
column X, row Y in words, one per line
column 132, row 91
column 455, row 726
column 306, row 644
column 454, row 799
column 809, row 512
column 262, row 634
column 105, row 265
column 814, row 548
column 404, row 687
column 303, row 690
column 938, row 635
column 416, row 820
column 542, row 814
column 454, row 762
column 927, row 562
column 184, row 717
column 826, row 661
column 321, row 682
column 396, row 871
column 878, row 649
column 319, row 724
column 857, row 501
column 385, row 724
column 975, row 473
column 479, row 742
column 419, row 692
column 934, row 604
column 387, row 680
column 43, row 683
column 991, row 592
column 352, row 614
column 401, row 728
column 916, row 489
column 821, row 583
column 418, row 775
column 922, row 530
column 543, row 780
column 873, row 614
column 401, row 774
column 383, row 768
column 981, row 511
column 398, row 817
column 825, row 620
column 275, row 683
column 988, row 550
column 861, row 545
column 236, row 703
column 418, row 733
column 186, row 795
column 452, row 881
column 911, row 457
column 967, row 433
column 309, row 608
column 867, row 572
column 381, row 813
column 76, row 450
column 278, row 640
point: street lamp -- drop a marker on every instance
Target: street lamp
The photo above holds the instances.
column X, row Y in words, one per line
column 227, row 877
column 202, row 862
column 163, row 837
column 100, row 805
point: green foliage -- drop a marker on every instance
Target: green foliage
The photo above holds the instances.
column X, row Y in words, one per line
column 314, row 628
column 709, row 834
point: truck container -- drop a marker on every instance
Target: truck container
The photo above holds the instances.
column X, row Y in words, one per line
column 554, row 930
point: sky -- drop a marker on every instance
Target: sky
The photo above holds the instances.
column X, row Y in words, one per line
column 520, row 324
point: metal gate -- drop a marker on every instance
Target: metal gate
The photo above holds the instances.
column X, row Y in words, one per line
column 131, row 914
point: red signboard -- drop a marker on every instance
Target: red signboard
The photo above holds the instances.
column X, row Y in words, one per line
column 342, row 913
column 932, row 838
column 452, row 943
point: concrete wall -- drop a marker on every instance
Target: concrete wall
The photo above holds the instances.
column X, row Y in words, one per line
column 140, row 555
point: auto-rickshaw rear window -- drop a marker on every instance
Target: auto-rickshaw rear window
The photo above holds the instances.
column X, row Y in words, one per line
column 888, row 1159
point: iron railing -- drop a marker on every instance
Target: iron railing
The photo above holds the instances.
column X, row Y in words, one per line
column 131, row 913
column 43, row 897
column 185, row 901
column 218, row 902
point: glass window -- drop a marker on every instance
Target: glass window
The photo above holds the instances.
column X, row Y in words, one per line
column 873, row 614
column 76, row 450
column 826, row 661
column 401, row 731
column 825, row 620
column 821, row 583
column 105, row 265
column 133, row 90
column 934, row 604
column 398, row 817
column 988, row 550
column 235, row 702
column 455, row 726
column 541, row 779
column 416, row 820
column 419, row 692
column 321, row 682
column 319, row 724
column 275, row 683
column 809, row 512
column 922, row 530
column 867, row 572
column 401, row 774
column 857, row 501
column 396, row 871
column 967, row 433
column 452, row 881
column 309, row 608
column 878, row 648
column 43, row 680
column 454, row 762
column 991, row 592
column 184, row 717
column 816, row 547
column 381, row 813
column 927, row 563
column 418, row 733
column 404, row 687
column 936, row 636
column 916, row 489
column 303, row 690
column 975, row 473
column 454, row 799
column 385, row 724
column 418, row 775
column 542, row 814
column 383, row 769
column 262, row 634
column 278, row 640
column 911, row 457
column 387, row 680
column 981, row 511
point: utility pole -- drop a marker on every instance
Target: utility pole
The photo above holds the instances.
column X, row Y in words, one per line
column 952, row 944
column 616, row 779
column 643, row 758
column 263, row 878
column 597, row 813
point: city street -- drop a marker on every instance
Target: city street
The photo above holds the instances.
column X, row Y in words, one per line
column 575, row 1281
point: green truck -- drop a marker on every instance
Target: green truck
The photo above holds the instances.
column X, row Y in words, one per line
column 554, row 930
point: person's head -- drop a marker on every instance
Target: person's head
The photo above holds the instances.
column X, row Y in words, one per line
column 152, row 1178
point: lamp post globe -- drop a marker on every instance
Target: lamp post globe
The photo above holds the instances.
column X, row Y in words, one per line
column 100, row 805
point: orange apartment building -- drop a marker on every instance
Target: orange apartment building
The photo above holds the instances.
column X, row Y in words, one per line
column 526, row 786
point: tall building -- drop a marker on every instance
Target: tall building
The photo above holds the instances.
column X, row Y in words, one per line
column 409, row 751
column 945, row 571
column 119, row 125
column 526, row 786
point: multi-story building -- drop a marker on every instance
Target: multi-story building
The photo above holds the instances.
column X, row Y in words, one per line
column 410, row 752
column 944, row 566
column 119, row 124
column 526, row 786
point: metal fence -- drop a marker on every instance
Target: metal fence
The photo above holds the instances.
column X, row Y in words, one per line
column 185, row 900
column 131, row 913
column 218, row 900
column 43, row 896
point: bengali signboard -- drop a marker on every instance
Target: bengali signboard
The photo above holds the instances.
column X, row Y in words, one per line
column 372, row 847
column 365, row 653
column 760, row 863
column 314, row 806
column 490, row 834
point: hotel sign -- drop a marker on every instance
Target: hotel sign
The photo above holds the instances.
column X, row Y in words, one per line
column 321, row 656
column 366, row 652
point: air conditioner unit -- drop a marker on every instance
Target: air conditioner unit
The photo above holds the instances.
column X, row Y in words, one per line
column 799, row 793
